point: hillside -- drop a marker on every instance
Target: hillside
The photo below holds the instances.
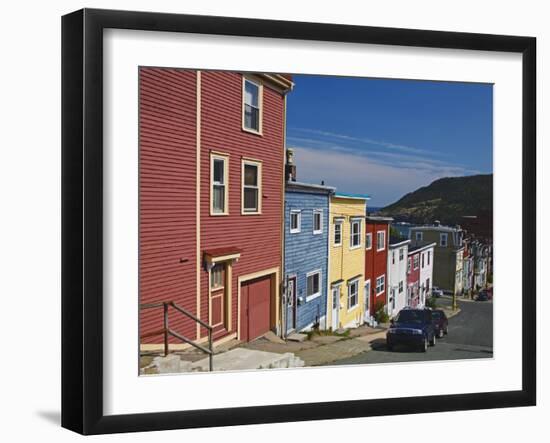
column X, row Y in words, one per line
column 447, row 200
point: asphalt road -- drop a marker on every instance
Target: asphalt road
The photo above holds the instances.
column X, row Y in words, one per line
column 470, row 336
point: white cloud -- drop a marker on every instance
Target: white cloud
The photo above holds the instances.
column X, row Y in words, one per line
column 385, row 179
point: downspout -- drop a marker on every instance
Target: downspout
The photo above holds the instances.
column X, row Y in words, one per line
column 328, row 289
column 283, row 282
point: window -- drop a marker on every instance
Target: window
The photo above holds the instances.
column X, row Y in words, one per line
column 353, row 294
column 218, row 179
column 427, row 285
column 380, row 284
column 295, row 221
column 380, row 240
column 443, row 239
column 313, row 285
column 429, row 253
column 338, row 233
column 409, row 265
column 251, row 179
column 401, row 254
column 355, row 237
column 401, row 286
column 423, row 260
column 418, row 236
column 335, row 297
column 216, row 276
column 317, row 221
column 416, row 261
column 368, row 241
column 393, row 257
column 252, row 118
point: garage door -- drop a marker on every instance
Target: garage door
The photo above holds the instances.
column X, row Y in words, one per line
column 255, row 308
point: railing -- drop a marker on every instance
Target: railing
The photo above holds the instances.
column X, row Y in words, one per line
column 166, row 331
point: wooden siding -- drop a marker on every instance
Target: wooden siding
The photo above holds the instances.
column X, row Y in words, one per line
column 167, row 228
column 306, row 252
column 397, row 272
column 257, row 236
column 376, row 263
column 346, row 263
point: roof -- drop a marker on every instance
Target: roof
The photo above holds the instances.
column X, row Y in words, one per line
column 379, row 219
column 417, row 248
column 299, row 186
column 356, row 196
column 439, row 228
column 396, row 241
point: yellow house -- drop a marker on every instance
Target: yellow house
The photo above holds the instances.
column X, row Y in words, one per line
column 346, row 298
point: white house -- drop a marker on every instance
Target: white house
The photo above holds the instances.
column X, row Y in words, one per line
column 426, row 272
column 397, row 275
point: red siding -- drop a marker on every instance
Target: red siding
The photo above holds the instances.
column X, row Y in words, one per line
column 413, row 278
column 168, row 188
column 257, row 236
column 376, row 263
column 167, row 228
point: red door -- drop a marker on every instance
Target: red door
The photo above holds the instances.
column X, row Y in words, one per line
column 255, row 308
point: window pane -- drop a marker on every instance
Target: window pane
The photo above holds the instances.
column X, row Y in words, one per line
column 218, row 171
column 317, row 221
column 250, row 175
column 251, row 94
column 219, row 198
column 251, row 117
column 251, row 199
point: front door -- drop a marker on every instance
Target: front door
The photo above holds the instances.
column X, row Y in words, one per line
column 366, row 294
column 291, row 304
column 218, row 297
column 335, row 308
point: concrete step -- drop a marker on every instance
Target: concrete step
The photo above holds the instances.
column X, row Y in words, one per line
column 241, row 359
column 297, row 337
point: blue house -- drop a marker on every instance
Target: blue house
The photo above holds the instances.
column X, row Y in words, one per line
column 306, row 255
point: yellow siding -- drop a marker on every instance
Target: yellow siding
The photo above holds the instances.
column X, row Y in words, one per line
column 345, row 262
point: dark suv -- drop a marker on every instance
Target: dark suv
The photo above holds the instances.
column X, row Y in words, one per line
column 441, row 323
column 413, row 327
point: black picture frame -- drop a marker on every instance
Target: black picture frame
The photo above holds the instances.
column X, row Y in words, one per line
column 82, row 215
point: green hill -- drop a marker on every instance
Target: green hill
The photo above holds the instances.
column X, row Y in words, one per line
column 447, row 200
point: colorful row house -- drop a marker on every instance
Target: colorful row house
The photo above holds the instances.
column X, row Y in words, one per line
column 211, row 187
column 398, row 257
column 346, row 304
column 376, row 264
column 306, row 251
column 419, row 274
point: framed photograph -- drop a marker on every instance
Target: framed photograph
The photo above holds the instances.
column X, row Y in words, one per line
column 269, row 221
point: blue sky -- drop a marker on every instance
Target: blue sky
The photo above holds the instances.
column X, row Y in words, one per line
column 388, row 137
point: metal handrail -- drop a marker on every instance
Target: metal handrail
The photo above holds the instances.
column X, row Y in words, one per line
column 166, row 330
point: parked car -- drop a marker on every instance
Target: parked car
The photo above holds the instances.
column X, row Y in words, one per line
column 440, row 321
column 482, row 296
column 436, row 292
column 412, row 327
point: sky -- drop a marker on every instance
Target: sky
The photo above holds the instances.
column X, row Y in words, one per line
column 385, row 137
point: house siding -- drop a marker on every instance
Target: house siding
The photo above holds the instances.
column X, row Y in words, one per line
column 397, row 272
column 346, row 263
column 306, row 252
column 169, row 238
column 376, row 263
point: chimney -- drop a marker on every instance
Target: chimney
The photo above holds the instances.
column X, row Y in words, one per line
column 437, row 223
column 290, row 168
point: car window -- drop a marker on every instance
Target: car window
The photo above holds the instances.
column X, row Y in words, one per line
column 436, row 315
column 410, row 316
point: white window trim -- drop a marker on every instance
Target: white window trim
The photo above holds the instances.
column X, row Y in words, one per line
column 416, row 262
column 401, row 254
column 355, row 306
column 225, row 159
column 419, row 236
column 320, row 230
column 352, row 221
column 376, row 284
column 341, row 224
column 258, row 164
column 369, row 235
column 260, row 86
column 317, row 294
column 443, row 235
column 384, row 235
column 299, row 228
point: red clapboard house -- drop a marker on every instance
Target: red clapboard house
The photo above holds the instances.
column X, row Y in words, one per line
column 376, row 262
column 211, row 202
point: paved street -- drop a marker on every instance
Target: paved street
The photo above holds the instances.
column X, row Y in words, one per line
column 470, row 336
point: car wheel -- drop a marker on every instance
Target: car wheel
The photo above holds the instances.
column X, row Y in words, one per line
column 446, row 331
column 432, row 341
column 424, row 347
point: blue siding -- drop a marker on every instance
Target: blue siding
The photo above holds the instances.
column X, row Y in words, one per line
column 306, row 252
